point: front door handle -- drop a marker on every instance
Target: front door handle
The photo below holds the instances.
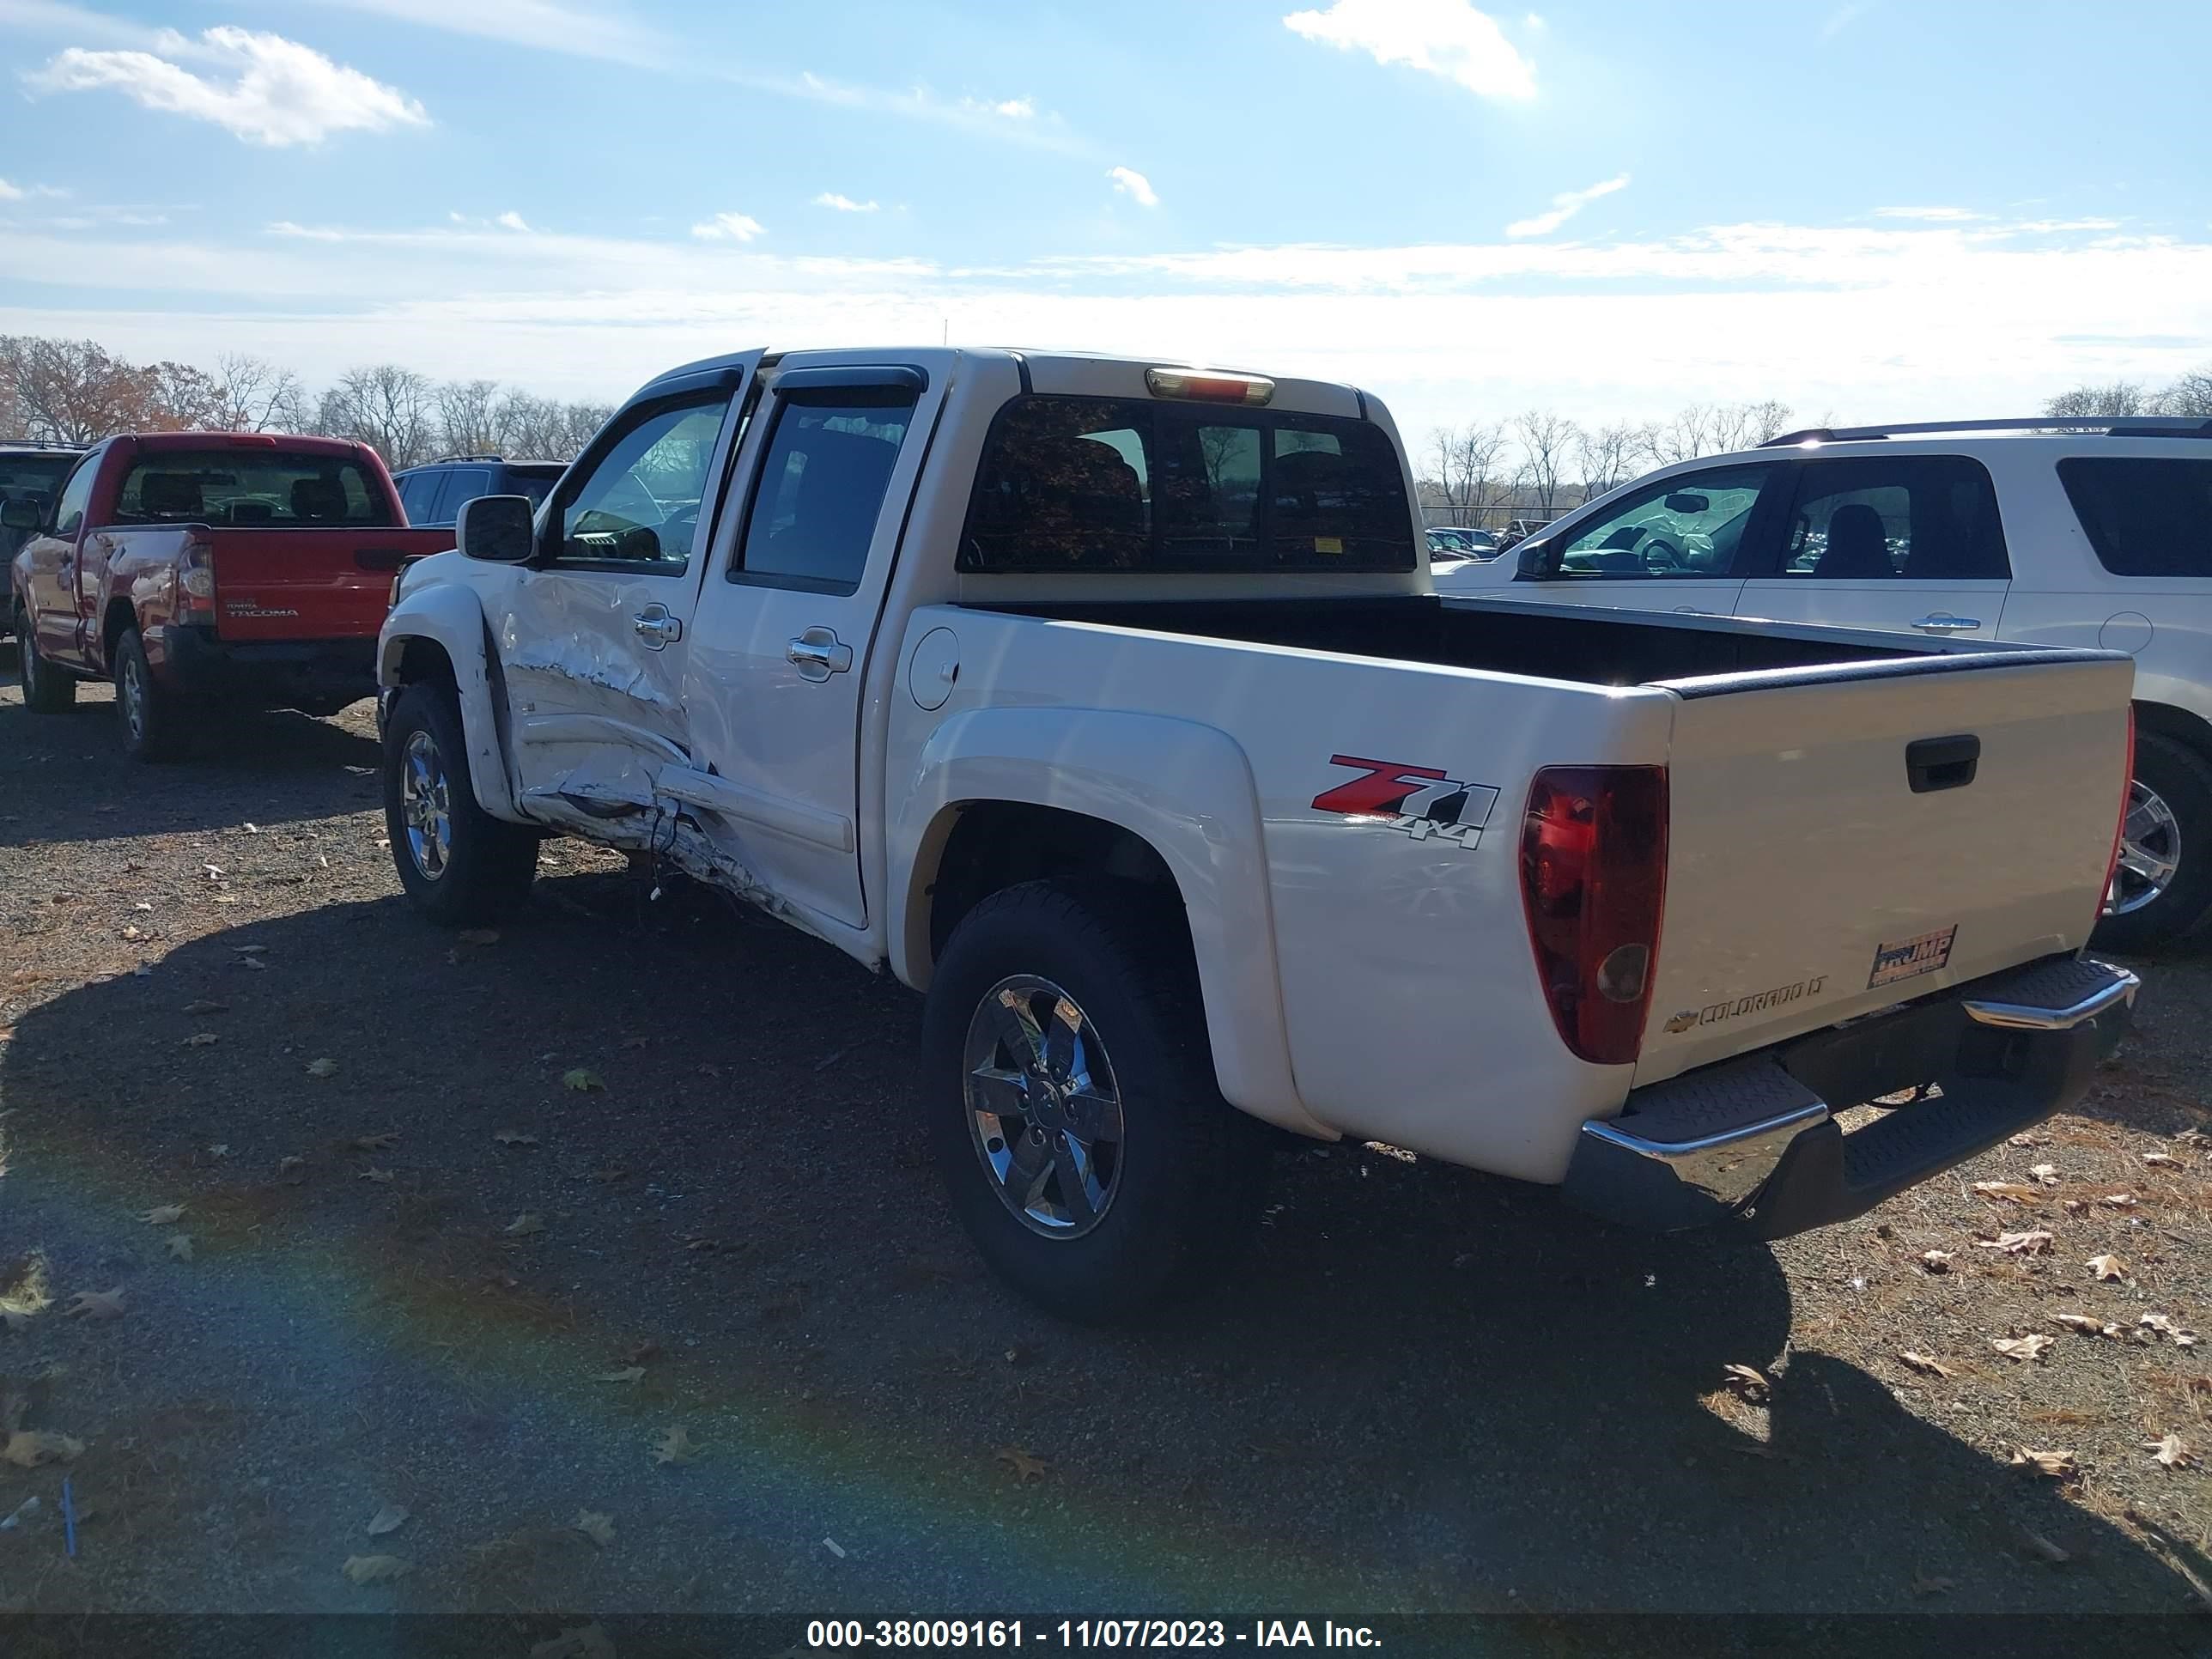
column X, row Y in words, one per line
column 657, row 627
column 819, row 655
column 1942, row 622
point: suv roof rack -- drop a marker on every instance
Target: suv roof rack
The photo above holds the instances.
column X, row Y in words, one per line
column 442, row 460
column 2112, row 426
column 40, row 443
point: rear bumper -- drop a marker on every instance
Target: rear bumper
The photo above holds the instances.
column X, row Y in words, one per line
column 275, row 673
column 1755, row 1139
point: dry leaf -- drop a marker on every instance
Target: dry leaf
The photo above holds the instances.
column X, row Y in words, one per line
column 2159, row 1325
column 180, row 1246
column 324, row 1067
column 583, row 1081
column 584, row 1641
column 2173, row 1451
column 1924, row 1585
column 251, row 949
column 1921, row 1362
column 675, row 1446
column 2165, row 1161
column 525, row 1223
column 1935, row 1261
column 513, row 1138
column 387, row 1519
column 290, row 1162
column 628, row 1374
column 207, row 1005
column 597, row 1527
column 1746, row 1383
column 1028, row 1466
column 2108, row 1267
column 2087, row 1326
column 96, row 1304
column 2021, row 1348
column 2118, row 1200
column 381, row 1178
column 2014, row 1190
column 478, row 936
column 163, row 1215
column 2058, row 1465
column 2046, row 1174
column 381, row 1142
column 2016, row 1243
column 27, row 1449
column 373, row 1569
column 134, row 933
column 2042, row 1547
column 200, row 1040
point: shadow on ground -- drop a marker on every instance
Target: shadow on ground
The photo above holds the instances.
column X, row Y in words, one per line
column 1440, row 1386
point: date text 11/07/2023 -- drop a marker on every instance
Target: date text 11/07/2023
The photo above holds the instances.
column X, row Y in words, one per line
column 830, row 1634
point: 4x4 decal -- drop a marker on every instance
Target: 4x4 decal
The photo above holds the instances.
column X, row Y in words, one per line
column 1418, row 801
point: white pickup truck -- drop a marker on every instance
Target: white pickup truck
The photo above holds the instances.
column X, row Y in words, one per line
column 1110, row 705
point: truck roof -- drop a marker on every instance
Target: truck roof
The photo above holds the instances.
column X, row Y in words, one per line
column 156, row 443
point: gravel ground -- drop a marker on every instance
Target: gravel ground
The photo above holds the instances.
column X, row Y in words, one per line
column 425, row 1271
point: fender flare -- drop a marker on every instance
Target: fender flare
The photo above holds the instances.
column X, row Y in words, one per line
column 1183, row 788
column 451, row 618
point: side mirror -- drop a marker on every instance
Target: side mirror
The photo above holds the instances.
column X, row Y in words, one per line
column 1537, row 561
column 497, row 529
column 22, row 512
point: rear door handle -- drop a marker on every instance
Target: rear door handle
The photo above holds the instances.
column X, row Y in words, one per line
column 1942, row 622
column 819, row 653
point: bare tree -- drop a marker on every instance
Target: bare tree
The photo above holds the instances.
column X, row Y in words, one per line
column 1468, row 464
column 466, row 422
column 386, row 406
column 181, row 399
column 1747, row 426
column 1546, row 439
column 2190, row 396
column 255, row 395
column 2121, row 398
column 1606, row 456
column 72, row 392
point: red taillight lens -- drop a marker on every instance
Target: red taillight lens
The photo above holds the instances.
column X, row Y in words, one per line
column 1594, row 881
column 196, row 581
column 2119, row 830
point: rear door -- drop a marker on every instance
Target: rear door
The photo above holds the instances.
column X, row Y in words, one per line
column 1845, row 838
column 596, row 636
column 1681, row 543
column 1901, row 543
column 789, row 617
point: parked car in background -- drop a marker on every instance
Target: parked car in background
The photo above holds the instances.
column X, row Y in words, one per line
column 33, row 473
column 199, row 568
column 1109, row 704
column 1519, row 530
column 432, row 494
column 1462, row 541
column 2060, row 531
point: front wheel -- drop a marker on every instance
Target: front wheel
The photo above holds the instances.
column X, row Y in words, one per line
column 2162, row 885
column 47, row 689
column 1072, row 1104
column 458, row 863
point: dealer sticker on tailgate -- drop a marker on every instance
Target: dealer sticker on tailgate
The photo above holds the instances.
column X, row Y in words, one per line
column 1909, row 958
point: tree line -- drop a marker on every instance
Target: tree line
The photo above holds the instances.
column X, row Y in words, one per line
column 74, row 391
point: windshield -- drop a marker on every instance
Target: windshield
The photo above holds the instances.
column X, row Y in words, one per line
column 34, row 475
column 250, row 488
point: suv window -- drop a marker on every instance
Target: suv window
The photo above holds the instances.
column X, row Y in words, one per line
column 822, row 486
column 69, row 512
column 2144, row 517
column 1688, row 525
column 418, row 495
column 1100, row 484
column 639, row 504
column 249, row 489
column 462, row 484
column 22, row 477
column 1914, row 517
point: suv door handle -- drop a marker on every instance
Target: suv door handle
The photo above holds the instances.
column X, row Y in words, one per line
column 819, row 655
column 657, row 625
column 1942, row 622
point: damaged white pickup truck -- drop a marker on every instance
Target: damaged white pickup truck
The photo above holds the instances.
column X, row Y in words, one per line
column 1108, row 704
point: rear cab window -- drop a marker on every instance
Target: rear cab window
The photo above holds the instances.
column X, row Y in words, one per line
column 251, row 489
column 2145, row 516
column 1103, row 483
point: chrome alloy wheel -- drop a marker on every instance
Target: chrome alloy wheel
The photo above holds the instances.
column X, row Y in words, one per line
column 425, row 806
column 1045, row 1109
column 131, row 692
column 2150, row 852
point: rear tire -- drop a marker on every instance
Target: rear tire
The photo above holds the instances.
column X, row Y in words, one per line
column 149, row 716
column 47, row 689
column 2174, row 822
column 458, row 864
column 1178, row 1190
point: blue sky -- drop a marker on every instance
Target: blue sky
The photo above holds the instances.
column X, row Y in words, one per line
column 1864, row 209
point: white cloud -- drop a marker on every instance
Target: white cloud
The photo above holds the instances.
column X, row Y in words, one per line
column 1449, row 38
column 511, row 220
column 1565, row 206
column 265, row 89
column 10, row 192
column 1013, row 109
column 729, row 228
column 1134, row 186
column 1841, row 19
column 831, row 198
column 1934, row 214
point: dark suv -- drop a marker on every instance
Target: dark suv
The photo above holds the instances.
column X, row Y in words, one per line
column 432, row 493
column 29, row 470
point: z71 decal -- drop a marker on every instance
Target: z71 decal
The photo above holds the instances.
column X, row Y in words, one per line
column 1418, row 801
column 1910, row 958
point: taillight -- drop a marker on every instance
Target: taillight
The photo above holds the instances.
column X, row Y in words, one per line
column 2120, row 829
column 196, row 580
column 1594, row 883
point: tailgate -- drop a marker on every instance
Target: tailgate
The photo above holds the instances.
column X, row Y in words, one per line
column 1844, row 839
column 311, row 584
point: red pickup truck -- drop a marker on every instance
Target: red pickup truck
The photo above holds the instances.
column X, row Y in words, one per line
column 203, row 569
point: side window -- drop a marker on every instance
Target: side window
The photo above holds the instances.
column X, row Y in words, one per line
column 821, row 486
column 462, row 484
column 77, row 495
column 418, row 496
column 1686, row 526
column 1927, row 517
column 639, row 503
column 2144, row 517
